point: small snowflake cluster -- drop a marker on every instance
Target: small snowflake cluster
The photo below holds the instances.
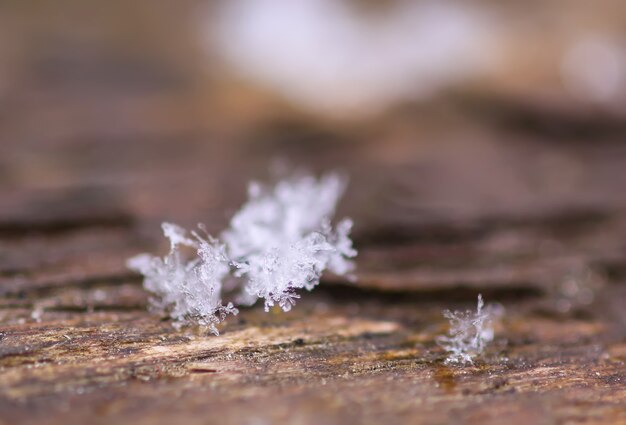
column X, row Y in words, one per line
column 469, row 332
column 187, row 289
column 279, row 242
column 282, row 240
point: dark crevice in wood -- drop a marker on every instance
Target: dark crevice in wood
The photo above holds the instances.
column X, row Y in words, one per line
column 353, row 292
column 200, row 370
column 95, row 308
column 568, row 222
column 558, row 123
column 18, row 229
column 614, row 270
column 14, row 271
column 391, row 235
column 48, row 288
column 584, row 313
column 16, row 306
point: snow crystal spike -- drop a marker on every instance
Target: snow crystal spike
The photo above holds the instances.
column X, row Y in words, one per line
column 469, row 333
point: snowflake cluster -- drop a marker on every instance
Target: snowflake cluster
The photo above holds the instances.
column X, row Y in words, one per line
column 278, row 243
column 282, row 241
column 187, row 289
column 469, row 332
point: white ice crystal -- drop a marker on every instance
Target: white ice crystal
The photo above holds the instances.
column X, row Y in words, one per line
column 186, row 289
column 281, row 240
column 283, row 213
column 469, row 332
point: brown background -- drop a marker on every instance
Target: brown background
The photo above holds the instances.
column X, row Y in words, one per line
column 115, row 116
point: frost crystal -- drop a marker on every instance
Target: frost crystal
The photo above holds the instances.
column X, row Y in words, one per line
column 281, row 240
column 283, row 213
column 187, row 290
column 469, row 332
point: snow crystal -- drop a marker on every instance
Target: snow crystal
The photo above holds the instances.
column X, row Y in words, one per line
column 282, row 214
column 281, row 240
column 469, row 332
column 186, row 289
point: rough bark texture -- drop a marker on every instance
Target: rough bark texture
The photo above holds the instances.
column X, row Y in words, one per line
column 516, row 198
column 76, row 341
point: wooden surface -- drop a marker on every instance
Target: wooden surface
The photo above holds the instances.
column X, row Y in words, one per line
column 516, row 197
column 77, row 343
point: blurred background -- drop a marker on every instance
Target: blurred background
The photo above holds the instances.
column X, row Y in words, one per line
column 485, row 142
column 438, row 110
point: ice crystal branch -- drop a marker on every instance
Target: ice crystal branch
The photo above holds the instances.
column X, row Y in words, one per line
column 279, row 242
column 189, row 290
column 282, row 214
column 470, row 331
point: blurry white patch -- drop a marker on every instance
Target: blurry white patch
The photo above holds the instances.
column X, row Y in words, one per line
column 577, row 289
column 325, row 55
column 594, row 69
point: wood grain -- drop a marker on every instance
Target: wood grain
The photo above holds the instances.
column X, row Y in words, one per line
column 510, row 196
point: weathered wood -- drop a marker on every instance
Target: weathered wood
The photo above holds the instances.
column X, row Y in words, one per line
column 77, row 342
column 507, row 196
